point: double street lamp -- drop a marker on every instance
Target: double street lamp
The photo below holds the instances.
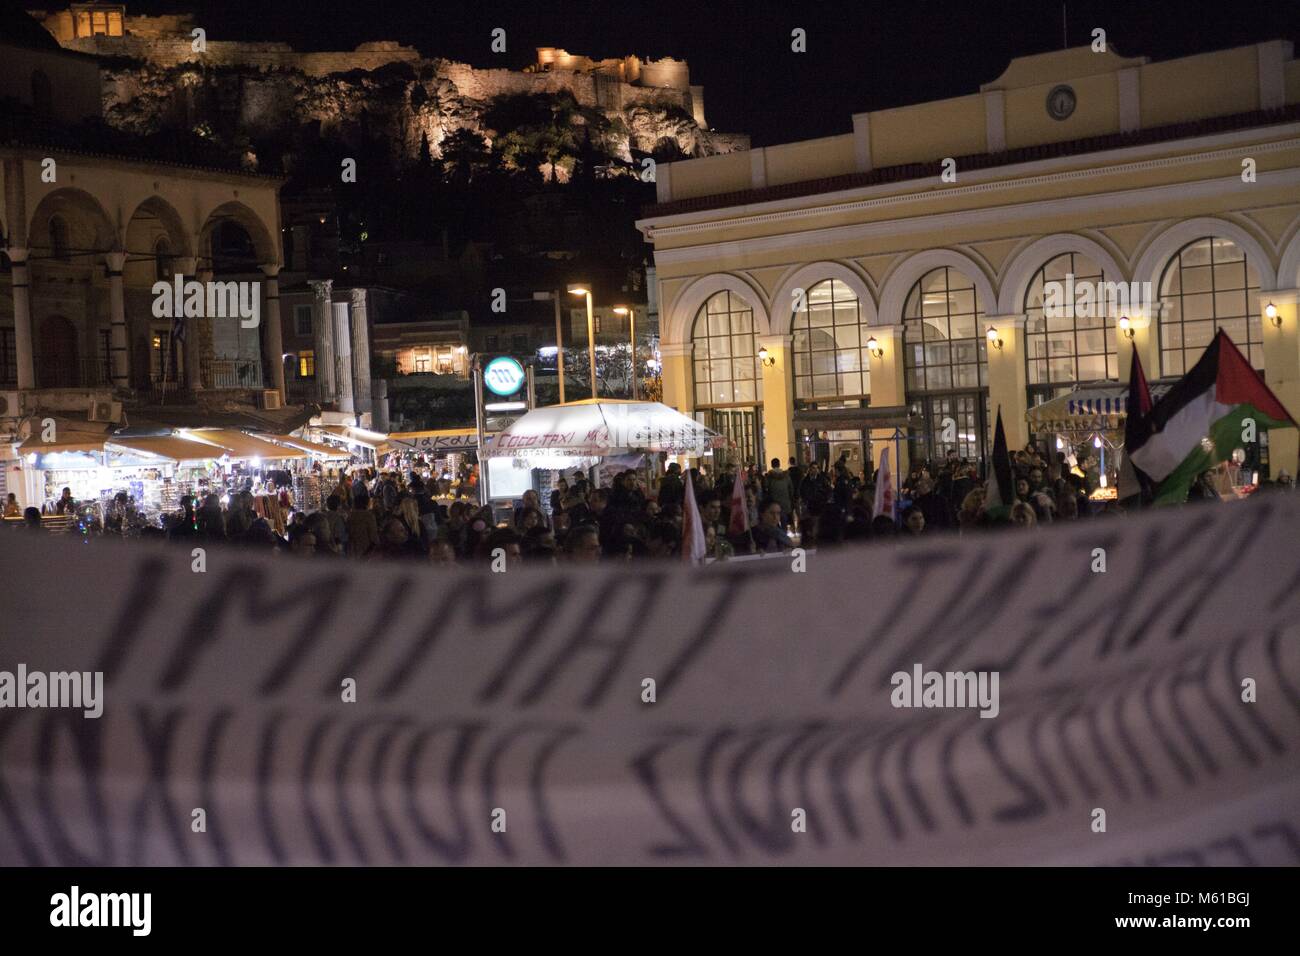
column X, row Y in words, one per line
column 584, row 289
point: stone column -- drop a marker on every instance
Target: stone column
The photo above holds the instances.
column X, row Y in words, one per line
column 272, row 334
column 322, row 322
column 379, row 405
column 343, row 358
column 360, row 352
column 186, row 268
column 1007, row 379
column 118, row 355
column 201, row 329
column 888, row 389
column 778, row 399
column 23, row 319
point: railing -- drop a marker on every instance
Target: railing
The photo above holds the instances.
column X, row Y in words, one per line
column 302, row 391
column 63, row 371
column 231, row 373
column 161, row 392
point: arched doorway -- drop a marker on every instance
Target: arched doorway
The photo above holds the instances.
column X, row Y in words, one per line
column 57, row 354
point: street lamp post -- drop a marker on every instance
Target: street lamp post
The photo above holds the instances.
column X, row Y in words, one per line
column 559, row 344
column 631, row 321
column 580, row 288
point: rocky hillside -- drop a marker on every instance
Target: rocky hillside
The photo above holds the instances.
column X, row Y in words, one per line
column 248, row 110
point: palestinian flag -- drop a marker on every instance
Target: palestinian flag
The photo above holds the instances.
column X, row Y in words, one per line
column 1199, row 422
column 1001, row 490
column 1133, row 482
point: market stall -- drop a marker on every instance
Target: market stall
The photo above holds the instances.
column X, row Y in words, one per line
column 1092, row 416
column 580, row 435
column 445, row 456
column 361, row 443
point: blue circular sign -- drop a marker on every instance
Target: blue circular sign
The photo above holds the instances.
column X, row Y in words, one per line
column 503, row 376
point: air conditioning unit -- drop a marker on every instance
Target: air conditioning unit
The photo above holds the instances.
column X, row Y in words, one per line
column 105, row 412
column 11, row 404
column 269, row 399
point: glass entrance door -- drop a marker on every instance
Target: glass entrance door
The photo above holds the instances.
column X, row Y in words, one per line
column 956, row 421
column 744, row 426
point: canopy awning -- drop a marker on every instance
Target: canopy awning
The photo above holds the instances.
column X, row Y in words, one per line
column 239, row 444
column 64, row 443
column 856, row 419
column 315, row 449
column 604, row 427
column 1091, row 407
column 68, row 435
column 440, row 439
column 174, row 448
column 352, row 436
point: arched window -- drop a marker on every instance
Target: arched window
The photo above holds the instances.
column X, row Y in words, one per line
column 944, row 344
column 1209, row 285
column 1063, row 346
column 162, row 259
column 59, row 245
column 726, row 354
column 945, row 360
column 830, row 345
column 42, row 94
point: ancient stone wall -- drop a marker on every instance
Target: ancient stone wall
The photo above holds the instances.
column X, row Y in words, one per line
column 268, row 82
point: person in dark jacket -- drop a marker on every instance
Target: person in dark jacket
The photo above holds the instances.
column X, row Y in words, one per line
column 814, row 490
column 935, row 508
column 778, row 486
column 672, row 490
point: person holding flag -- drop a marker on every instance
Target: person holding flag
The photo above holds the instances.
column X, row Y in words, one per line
column 1218, row 406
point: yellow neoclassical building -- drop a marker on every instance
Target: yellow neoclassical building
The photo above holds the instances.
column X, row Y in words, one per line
column 816, row 294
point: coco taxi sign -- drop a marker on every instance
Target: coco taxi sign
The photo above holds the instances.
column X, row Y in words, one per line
column 503, row 376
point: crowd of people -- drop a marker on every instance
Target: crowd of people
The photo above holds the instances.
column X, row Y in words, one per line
column 391, row 515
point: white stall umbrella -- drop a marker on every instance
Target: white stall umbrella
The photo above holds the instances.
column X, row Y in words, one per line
column 600, row 428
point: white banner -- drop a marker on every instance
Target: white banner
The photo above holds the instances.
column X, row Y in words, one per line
column 1146, row 713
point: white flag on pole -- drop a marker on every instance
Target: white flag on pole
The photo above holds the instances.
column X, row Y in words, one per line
column 884, row 504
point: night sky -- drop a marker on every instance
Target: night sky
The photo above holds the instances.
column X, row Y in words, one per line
column 861, row 55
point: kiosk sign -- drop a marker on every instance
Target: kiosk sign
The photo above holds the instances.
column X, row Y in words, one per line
column 503, row 376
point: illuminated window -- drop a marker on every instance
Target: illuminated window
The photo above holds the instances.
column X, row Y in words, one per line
column 1066, row 348
column 83, row 24
column 99, row 21
column 726, row 354
column 114, row 23
column 944, row 344
column 1208, row 286
column 423, row 362
column 830, row 344
column 307, row 363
